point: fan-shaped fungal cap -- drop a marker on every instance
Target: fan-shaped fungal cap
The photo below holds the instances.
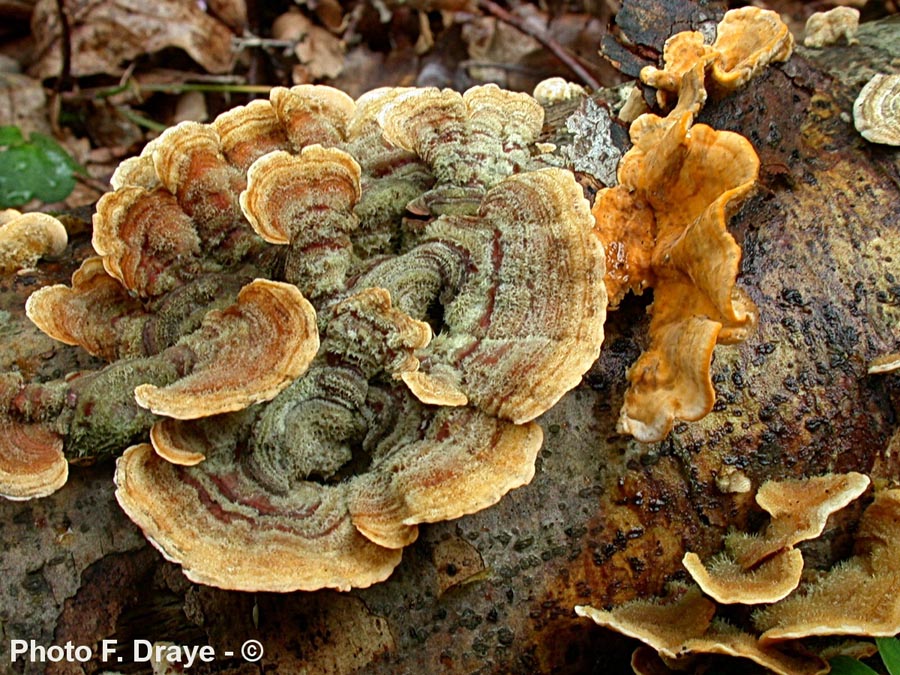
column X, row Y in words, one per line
column 522, row 332
column 245, row 354
column 369, row 332
column 189, row 162
column 137, row 171
column 312, row 114
column 854, row 648
column 183, row 153
column 465, row 462
column 851, row 599
column 645, row 661
column 188, row 442
column 682, row 628
column 369, row 107
column 96, row 312
column 319, row 179
column 664, row 625
column 556, row 90
column 766, row 568
column 471, row 141
column 747, row 40
column 392, row 177
column 827, row 28
column 886, row 363
column 27, row 237
column 723, row 638
column 173, row 441
column 876, row 111
column 146, row 240
column 32, row 464
column 856, row 597
column 225, row 530
column 248, row 132
column 727, row 582
column 664, row 227
column 307, row 201
column 682, row 53
column 799, row 510
column 515, row 118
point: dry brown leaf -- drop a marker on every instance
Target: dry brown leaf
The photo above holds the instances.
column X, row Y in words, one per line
column 330, row 13
column 23, row 103
column 232, row 12
column 490, row 41
column 106, row 34
column 320, row 53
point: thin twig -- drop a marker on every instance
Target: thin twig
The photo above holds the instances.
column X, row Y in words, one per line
column 508, row 67
column 570, row 61
column 166, row 88
column 65, row 46
column 141, row 120
column 63, row 82
column 265, row 43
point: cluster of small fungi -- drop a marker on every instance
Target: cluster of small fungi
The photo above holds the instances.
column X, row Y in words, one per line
column 855, row 598
column 332, row 319
column 328, row 321
column 658, row 243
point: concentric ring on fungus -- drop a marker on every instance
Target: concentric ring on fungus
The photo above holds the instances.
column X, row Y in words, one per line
column 454, row 263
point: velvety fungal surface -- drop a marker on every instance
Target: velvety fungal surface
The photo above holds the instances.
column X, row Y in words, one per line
column 326, row 322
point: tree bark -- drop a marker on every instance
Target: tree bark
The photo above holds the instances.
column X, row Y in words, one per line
column 605, row 519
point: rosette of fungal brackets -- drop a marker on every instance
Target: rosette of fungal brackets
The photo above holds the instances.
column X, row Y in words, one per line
column 320, row 355
column 347, row 454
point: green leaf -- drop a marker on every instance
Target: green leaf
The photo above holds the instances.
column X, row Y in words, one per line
column 10, row 135
column 53, row 149
column 889, row 648
column 39, row 168
column 845, row 665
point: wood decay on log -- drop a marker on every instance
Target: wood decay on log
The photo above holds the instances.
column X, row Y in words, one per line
column 604, row 520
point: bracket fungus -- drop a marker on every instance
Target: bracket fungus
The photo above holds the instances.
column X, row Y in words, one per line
column 27, row 237
column 32, row 463
column 470, row 141
column 683, row 625
column 333, row 320
column 664, row 225
column 885, row 363
column 244, row 354
column 242, row 537
column 555, row 90
column 747, row 40
column 876, row 111
column 764, row 568
column 856, row 597
column 728, row 582
column 828, row 28
column 95, row 312
column 799, row 510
